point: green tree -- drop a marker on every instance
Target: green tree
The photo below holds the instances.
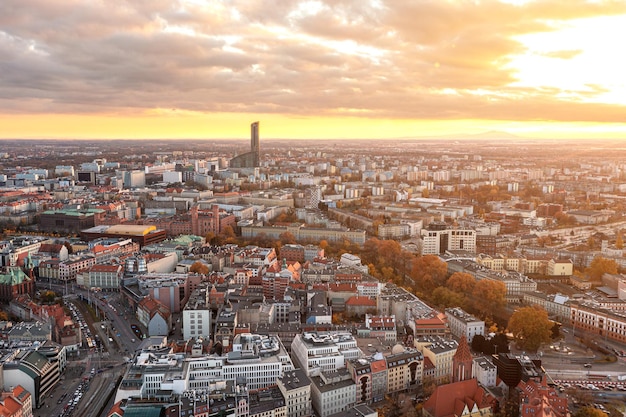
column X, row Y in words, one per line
column 600, row 266
column 478, row 343
column 530, row 327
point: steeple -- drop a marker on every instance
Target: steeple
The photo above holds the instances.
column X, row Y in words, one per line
column 462, row 362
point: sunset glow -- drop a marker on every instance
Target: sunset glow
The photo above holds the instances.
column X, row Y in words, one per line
column 311, row 69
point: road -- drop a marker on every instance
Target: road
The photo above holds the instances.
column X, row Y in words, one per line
column 118, row 324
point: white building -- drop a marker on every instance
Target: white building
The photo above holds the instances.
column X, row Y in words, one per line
column 435, row 242
column 332, row 393
column 464, row 324
column 316, row 352
column 197, row 315
column 261, row 360
column 64, row 170
column 484, row 371
column 171, row 177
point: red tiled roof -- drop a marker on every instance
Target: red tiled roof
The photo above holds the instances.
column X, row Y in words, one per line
column 344, row 287
column 361, row 301
column 450, row 399
column 104, row 268
column 116, row 410
column 378, row 366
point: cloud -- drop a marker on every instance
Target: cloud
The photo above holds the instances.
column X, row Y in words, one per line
column 565, row 54
column 380, row 59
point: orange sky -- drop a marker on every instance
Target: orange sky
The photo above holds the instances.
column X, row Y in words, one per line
column 311, row 69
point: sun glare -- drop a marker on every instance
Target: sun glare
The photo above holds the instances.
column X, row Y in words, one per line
column 583, row 59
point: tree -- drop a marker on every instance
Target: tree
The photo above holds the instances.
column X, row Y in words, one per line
column 210, row 238
column 444, row 298
column 69, row 247
column 287, row 238
column 228, row 232
column 530, row 327
column 489, row 295
column 619, row 241
column 428, row 272
column 461, row 282
column 199, row 268
column 589, row 411
column 600, row 266
column 500, row 343
column 478, row 343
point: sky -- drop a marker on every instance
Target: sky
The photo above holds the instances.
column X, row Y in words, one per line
column 311, row 69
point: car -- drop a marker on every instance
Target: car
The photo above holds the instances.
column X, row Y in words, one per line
column 587, row 365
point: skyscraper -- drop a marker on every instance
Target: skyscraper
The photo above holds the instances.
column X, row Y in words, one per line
column 254, row 142
column 249, row 159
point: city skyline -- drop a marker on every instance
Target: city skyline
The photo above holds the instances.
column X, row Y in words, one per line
column 311, row 69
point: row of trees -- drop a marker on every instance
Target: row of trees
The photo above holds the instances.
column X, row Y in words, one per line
column 429, row 275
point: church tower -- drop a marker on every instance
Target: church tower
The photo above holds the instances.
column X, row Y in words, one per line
column 462, row 362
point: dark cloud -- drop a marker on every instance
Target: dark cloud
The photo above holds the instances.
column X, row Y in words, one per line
column 401, row 59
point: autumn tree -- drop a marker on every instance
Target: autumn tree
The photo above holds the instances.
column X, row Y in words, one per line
column 589, row 411
column 68, row 245
column 228, row 232
column 444, row 298
column 199, row 268
column 489, row 295
column 428, row 272
column 389, row 253
column 287, row 238
column 369, row 251
column 461, row 282
column 209, row 238
column 619, row 241
column 530, row 327
column 600, row 266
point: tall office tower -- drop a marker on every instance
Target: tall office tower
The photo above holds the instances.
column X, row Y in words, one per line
column 249, row 159
column 254, row 142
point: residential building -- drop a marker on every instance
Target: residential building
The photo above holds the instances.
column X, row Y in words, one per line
column 16, row 402
column 332, row 392
column 404, row 368
column 196, row 317
column 440, row 352
column 484, row 371
column 104, row 277
column 537, row 399
column 296, row 389
column 154, row 316
column 464, row 324
column 562, row 267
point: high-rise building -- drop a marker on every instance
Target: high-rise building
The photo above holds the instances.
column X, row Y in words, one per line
column 249, row 159
column 254, row 142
